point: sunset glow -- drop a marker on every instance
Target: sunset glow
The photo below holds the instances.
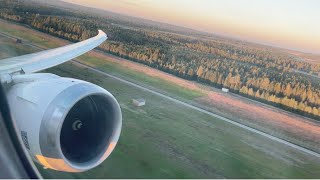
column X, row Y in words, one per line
column 287, row 23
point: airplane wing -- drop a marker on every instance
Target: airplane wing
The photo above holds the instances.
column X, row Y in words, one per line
column 65, row 124
column 31, row 63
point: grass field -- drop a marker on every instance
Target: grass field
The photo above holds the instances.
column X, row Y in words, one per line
column 9, row 48
column 167, row 140
column 22, row 34
column 151, row 82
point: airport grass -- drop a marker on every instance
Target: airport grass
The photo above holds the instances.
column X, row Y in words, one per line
column 9, row 48
column 45, row 42
column 167, row 140
column 140, row 78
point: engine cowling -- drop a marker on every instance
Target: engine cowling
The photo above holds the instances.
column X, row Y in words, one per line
column 66, row 124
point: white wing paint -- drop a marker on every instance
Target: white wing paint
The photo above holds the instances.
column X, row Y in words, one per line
column 31, row 63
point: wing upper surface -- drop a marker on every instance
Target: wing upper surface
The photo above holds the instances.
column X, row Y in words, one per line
column 34, row 62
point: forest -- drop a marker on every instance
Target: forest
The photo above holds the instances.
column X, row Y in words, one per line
column 258, row 72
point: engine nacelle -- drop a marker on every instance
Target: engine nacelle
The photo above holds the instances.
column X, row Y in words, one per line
column 66, row 124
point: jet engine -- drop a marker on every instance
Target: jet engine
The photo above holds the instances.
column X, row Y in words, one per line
column 66, row 124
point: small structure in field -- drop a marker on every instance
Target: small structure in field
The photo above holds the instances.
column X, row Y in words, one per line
column 225, row 90
column 138, row 102
column 18, row 41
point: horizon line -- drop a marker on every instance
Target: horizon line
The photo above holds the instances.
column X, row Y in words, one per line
column 222, row 35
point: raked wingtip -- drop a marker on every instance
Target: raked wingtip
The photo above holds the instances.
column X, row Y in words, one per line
column 102, row 33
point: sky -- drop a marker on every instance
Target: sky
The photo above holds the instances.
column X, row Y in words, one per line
column 292, row 24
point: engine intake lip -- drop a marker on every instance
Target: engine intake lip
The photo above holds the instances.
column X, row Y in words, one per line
column 55, row 120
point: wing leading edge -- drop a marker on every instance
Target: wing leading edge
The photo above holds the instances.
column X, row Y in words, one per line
column 31, row 63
